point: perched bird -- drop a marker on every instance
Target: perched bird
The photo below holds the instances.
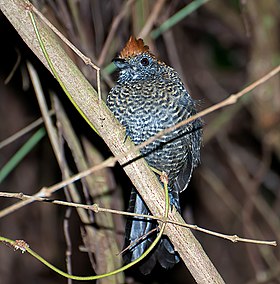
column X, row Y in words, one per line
column 148, row 97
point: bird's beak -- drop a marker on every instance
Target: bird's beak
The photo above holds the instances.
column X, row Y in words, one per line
column 120, row 63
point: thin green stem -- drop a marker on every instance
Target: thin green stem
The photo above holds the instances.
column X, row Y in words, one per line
column 54, row 71
column 177, row 17
column 21, row 153
column 26, row 248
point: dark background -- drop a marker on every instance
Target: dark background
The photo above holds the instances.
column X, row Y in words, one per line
column 217, row 50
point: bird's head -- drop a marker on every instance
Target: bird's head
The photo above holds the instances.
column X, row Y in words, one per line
column 136, row 63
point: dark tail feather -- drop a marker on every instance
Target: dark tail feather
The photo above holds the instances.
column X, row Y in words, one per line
column 164, row 253
column 138, row 227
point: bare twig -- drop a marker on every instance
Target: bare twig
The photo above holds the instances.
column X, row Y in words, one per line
column 10, row 76
column 96, row 209
column 23, row 131
column 152, row 18
column 113, row 30
column 138, row 240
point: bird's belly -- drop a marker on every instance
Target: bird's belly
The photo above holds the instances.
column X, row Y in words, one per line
column 167, row 153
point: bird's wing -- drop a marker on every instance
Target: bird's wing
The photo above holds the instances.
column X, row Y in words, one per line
column 184, row 176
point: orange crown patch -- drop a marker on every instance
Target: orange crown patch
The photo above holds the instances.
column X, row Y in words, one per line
column 133, row 47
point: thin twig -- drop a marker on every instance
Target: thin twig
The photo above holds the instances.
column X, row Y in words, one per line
column 23, row 131
column 96, row 209
column 10, row 76
column 112, row 31
column 137, row 241
column 152, row 18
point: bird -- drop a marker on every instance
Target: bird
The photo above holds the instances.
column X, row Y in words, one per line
column 149, row 96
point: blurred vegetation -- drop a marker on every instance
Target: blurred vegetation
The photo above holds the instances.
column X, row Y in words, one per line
column 218, row 47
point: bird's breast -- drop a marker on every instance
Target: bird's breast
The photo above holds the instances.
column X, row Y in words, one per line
column 145, row 109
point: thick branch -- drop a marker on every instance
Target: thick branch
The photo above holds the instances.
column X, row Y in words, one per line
column 113, row 134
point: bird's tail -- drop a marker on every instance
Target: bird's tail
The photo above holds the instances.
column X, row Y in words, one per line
column 138, row 239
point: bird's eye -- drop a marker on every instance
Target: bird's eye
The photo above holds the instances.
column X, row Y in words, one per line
column 145, row 61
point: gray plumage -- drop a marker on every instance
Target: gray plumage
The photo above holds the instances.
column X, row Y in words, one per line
column 148, row 97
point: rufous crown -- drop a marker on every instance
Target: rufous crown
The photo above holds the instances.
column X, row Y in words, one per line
column 133, row 47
